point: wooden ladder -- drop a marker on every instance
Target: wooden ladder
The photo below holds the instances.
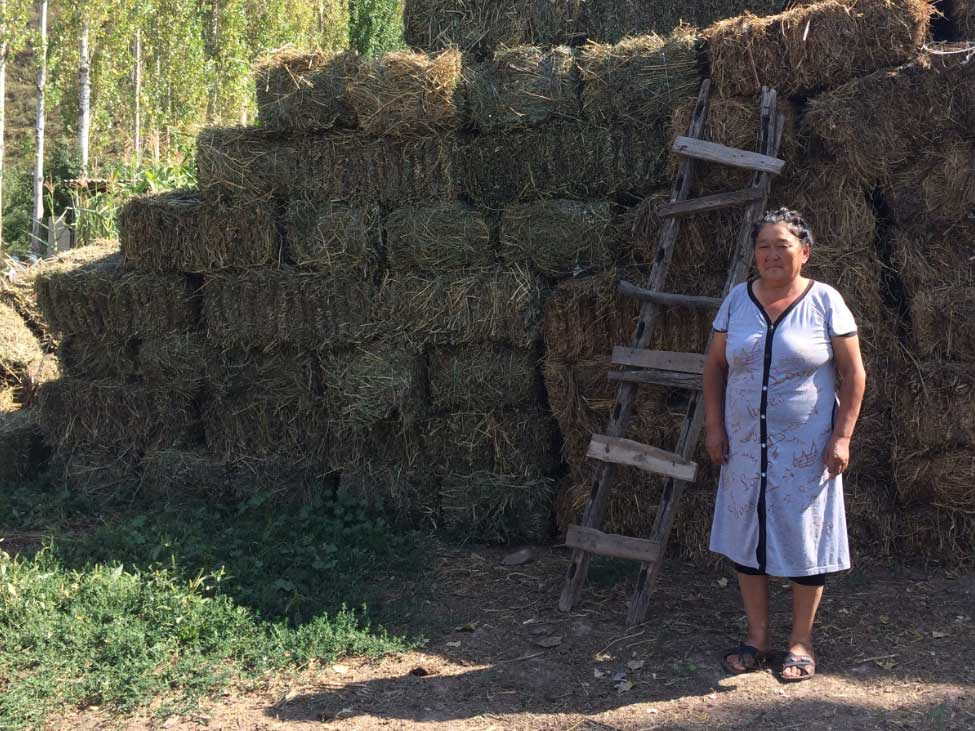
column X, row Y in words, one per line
column 680, row 370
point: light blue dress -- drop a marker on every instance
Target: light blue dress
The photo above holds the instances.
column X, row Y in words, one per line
column 777, row 509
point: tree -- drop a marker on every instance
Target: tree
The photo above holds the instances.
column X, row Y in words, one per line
column 38, row 245
column 14, row 21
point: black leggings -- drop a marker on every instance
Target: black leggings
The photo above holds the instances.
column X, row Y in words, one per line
column 816, row 580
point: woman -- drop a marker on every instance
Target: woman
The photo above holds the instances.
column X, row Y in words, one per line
column 774, row 424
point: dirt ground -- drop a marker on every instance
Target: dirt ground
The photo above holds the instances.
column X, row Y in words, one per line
column 896, row 651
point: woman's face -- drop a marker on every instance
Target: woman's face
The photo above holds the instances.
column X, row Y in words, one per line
column 779, row 254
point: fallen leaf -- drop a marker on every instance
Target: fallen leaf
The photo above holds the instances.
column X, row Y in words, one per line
column 453, row 644
column 469, row 627
column 635, row 664
column 883, row 619
column 887, row 664
column 552, row 641
column 722, row 582
column 340, row 669
column 624, row 686
column 938, row 635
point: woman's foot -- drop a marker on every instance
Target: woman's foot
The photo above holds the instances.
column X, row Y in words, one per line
column 748, row 656
column 800, row 663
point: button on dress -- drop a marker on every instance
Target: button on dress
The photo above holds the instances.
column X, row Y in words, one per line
column 777, row 509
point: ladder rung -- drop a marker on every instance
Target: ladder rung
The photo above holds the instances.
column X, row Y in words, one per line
column 611, row 544
column 653, row 376
column 664, row 360
column 710, row 202
column 665, row 298
column 713, row 152
column 633, row 454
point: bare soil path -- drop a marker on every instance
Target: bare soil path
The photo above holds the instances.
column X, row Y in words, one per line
column 896, row 651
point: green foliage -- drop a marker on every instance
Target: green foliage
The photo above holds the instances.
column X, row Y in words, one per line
column 169, row 602
column 375, row 26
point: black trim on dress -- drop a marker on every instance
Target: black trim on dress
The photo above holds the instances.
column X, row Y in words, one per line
column 761, row 552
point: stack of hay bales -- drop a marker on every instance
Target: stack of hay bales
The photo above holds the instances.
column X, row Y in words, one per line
column 918, row 158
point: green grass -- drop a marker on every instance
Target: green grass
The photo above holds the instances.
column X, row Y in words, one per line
column 129, row 602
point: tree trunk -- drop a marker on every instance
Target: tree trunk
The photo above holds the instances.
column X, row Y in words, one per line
column 138, row 94
column 3, row 120
column 84, row 102
column 38, row 245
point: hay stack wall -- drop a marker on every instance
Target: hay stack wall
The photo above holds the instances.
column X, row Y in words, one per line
column 402, row 284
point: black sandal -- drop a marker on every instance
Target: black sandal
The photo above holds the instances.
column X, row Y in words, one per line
column 804, row 662
column 751, row 659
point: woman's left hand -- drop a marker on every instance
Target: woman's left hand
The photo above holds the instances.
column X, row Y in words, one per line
column 837, row 455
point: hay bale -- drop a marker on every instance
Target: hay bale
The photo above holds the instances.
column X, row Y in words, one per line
column 479, row 27
column 87, row 358
column 945, row 480
column 407, row 93
column 364, row 171
column 22, row 451
column 735, row 122
column 937, row 187
column 178, row 232
column 523, row 86
column 490, row 508
column 640, row 155
column 91, row 470
column 934, row 407
column 20, row 351
column 931, row 532
column 942, row 324
column 963, row 15
column 176, row 362
column 858, row 124
column 126, row 417
column 100, row 299
column 572, row 160
column 522, row 443
column 497, row 306
column 333, row 237
column 480, row 377
column 265, row 309
column 306, row 91
column 639, row 79
column 372, row 383
column 406, row 499
column 931, row 257
column 559, row 237
column 443, row 236
column 245, row 165
column 812, row 47
column 393, row 444
column 265, row 407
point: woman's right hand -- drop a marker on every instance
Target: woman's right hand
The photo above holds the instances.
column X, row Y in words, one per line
column 716, row 442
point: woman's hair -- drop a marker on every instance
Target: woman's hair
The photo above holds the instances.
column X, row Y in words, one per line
column 793, row 219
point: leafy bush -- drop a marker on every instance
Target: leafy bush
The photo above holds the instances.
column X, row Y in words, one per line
column 376, row 26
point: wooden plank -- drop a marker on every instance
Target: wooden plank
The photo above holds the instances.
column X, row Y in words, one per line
column 664, row 360
column 610, row 544
column 709, row 203
column 628, row 289
column 672, row 379
column 713, row 152
column 770, row 139
column 626, row 393
column 644, row 457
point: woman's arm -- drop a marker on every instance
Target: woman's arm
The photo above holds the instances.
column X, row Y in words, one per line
column 715, row 378
column 853, row 383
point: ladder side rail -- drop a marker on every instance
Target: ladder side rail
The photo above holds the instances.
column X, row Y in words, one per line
column 626, row 393
column 769, row 142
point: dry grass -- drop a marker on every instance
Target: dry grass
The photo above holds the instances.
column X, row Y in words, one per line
column 265, row 309
column 333, row 237
column 942, row 324
column 245, row 165
column 937, row 186
column 559, row 237
column 410, row 500
column 523, row 86
column 934, row 407
column 499, row 306
column 407, row 93
column 22, row 452
column 945, row 480
column 98, row 298
column 639, row 79
column 517, row 442
column 178, row 232
column 858, row 124
column 479, row 377
column 929, row 257
column 363, row 171
column 489, row 508
column 265, row 407
column 434, row 238
column 813, row 47
column 93, row 470
column 964, row 16
column 20, row 351
column 306, row 91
